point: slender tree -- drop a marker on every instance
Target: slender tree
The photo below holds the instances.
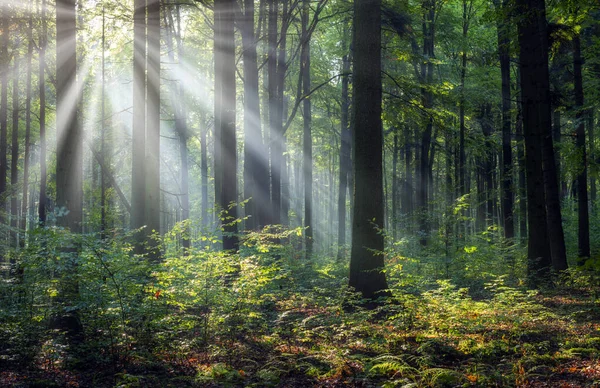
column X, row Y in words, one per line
column 345, row 147
column 535, row 94
column 138, row 152
column 14, row 155
column 42, row 119
column 507, row 176
column 582, row 181
column 225, row 76
column 4, row 105
column 366, row 262
column 28, row 86
column 69, row 160
column 307, row 159
column 152, row 158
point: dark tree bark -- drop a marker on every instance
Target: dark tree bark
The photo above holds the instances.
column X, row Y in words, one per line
column 42, row 92
column 173, row 29
column 424, row 166
column 24, row 201
column 394, row 221
column 255, row 163
column 467, row 8
column 153, row 127
column 103, row 152
column 138, row 152
column 522, row 186
column 535, row 91
column 366, row 262
column 4, row 107
column 345, row 149
column 228, row 163
column 583, row 235
column 69, row 159
column 274, row 114
column 507, row 175
column 204, row 175
column 14, row 156
column 592, row 157
column 407, row 190
column 307, row 134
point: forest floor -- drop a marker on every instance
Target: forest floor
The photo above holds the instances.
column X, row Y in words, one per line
column 442, row 338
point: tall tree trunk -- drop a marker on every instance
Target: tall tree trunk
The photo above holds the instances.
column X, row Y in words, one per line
column 345, row 145
column 522, row 183
column 103, row 153
column 255, row 163
column 204, row 175
column 366, row 262
column 507, row 162
column 592, row 157
column 407, row 199
column 152, row 158
column 69, row 159
column 274, row 114
column 14, row 157
column 4, row 108
column 307, row 135
column 426, row 138
column 535, row 90
column 582, row 189
column 467, row 7
column 228, row 162
column 23, row 224
column 395, row 186
column 138, row 152
column 42, row 92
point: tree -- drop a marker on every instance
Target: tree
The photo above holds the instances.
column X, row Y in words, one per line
column 307, row 157
column 535, row 96
column 23, row 224
column 507, row 177
column 345, row 146
column 256, row 184
column 138, row 152
column 69, row 160
column 366, row 262
column 152, row 158
column 226, row 164
column 14, row 155
column 4, row 104
column 42, row 91
column 583, row 235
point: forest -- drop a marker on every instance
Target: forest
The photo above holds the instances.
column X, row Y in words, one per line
column 299, row 193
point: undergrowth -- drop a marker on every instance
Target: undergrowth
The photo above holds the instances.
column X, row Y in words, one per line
column 267, row 317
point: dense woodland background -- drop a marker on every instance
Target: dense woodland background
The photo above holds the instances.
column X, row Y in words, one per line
column 299, row 193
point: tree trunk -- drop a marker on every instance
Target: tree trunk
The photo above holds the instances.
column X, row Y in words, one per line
column 307, row 135
column 274, row 115
column 152, row 210
column 535, row 92
column 507, row 162
column 395, row 187
column 138, row 152
column 582, row 189
column 14, row 157
column 42, row 92
column 69, row 158
column 345, row 145
column 4, row 108
column 366, row 262
column 23, row 224
column 228, row 163
column 255, row 163
column 592, row 157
